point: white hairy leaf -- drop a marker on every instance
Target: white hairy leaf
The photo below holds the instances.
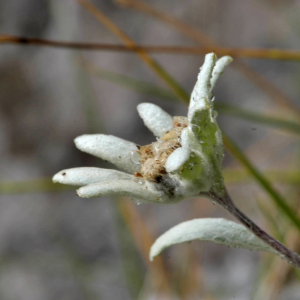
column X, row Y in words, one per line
column 155, row 118
column 220, row 231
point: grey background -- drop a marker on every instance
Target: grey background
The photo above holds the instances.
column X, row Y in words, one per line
column 58, row 246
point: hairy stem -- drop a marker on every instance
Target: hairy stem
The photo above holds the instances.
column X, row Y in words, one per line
column 226, row 202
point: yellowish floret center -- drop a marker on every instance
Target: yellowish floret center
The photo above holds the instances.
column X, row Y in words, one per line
column 154, row 156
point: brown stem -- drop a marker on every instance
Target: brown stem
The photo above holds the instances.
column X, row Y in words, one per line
column 226, row 202
column 235, row 52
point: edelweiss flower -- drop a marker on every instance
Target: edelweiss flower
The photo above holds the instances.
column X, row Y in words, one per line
column 184, row 161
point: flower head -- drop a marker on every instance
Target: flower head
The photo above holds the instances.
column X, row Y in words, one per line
column 185, row 160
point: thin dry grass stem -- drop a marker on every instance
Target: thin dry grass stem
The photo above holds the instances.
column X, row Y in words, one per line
column 109, row 24
column 277, row 175
column 275, row 93
column 279, row 272
column 31, row 186
column 197, row 35
column 268, row 212
column 190, row 283
column 143, row 55
column 159, row 49
column 278, row 200
column 193, row 280
column 186, row 29
column 241, row 176
column 272, row 276
column 143, row 241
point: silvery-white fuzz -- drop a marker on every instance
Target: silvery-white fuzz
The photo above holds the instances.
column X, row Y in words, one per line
column 217, row 230
column 184, row 161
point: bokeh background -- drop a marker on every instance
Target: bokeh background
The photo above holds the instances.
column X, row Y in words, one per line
column 54, row 245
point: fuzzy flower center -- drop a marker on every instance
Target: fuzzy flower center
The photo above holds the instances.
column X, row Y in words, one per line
column 154, row 156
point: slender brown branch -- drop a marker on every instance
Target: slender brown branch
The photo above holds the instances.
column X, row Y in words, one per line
column 226, row 202
column 235, row 52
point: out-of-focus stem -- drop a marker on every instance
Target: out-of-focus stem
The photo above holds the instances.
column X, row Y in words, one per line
column 277, row 54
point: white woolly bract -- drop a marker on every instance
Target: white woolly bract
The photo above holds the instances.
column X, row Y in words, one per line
column 110, row 148
column 189, row 170
column 176, row 160
column 87, row 175
column 219, row 69
column 210, row 72
column 156, row 119
column 185, row 140
column 220, row 231
column 201, row 94
column 134, row 189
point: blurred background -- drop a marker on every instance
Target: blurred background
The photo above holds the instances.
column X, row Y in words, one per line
column 55, row 245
